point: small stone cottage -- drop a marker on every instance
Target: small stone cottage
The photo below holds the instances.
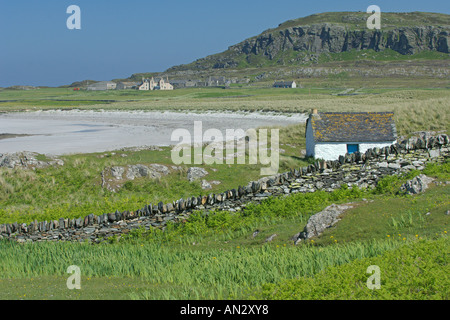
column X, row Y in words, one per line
column 285, row 84
column 332, row 134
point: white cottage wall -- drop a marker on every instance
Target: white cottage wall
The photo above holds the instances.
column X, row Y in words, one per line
column 332, row 150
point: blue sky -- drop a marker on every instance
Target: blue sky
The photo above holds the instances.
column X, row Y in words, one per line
column 119, row 38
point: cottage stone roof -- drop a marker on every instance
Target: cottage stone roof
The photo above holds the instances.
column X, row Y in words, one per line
column 353, row 127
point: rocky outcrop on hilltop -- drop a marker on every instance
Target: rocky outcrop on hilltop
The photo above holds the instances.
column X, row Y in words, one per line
column 329, row 38
column 408, row 37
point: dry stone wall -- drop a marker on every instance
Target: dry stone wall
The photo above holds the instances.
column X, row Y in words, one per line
column 361, row 169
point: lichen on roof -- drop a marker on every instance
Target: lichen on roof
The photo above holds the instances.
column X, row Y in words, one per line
column 353, row 127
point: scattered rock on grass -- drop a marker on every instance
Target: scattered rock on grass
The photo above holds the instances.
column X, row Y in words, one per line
column 321, row 221
column 417, row 185
column 195, row 173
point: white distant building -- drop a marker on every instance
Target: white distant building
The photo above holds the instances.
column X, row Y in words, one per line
column 101, row 86
column 332, row 134
column 145, row 85
column 164, row 85
column 151, row 84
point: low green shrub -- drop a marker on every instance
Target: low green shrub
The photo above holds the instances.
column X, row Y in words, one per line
column 413, row 272
column 438, row 170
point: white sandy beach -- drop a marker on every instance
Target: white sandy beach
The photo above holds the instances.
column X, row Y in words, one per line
column 66, row 132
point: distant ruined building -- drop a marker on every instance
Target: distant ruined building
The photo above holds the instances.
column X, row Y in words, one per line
column 126, row 85
column 102, row 86
column 216, row 81
column 151, row 84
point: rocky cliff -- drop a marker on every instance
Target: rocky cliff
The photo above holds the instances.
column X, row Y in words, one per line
column 327, row 37
column 296, row 42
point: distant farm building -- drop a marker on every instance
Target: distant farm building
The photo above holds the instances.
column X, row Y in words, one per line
column 151, row 84
column 216, row 81
column 211, row 81
column 126, row 85
column 285, row 84
column 332, row 134
column 101, row 86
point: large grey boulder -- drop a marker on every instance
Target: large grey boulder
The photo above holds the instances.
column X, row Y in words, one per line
column 206, row 185
column 137, row 171
column 153, row 171
column 9, row 161
column 26, row 160
column 321, row 221
column 117, row 172
column 159, row 168
column 417, row 185
column 195, row 173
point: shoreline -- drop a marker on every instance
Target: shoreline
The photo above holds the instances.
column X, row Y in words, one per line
column 12, row 136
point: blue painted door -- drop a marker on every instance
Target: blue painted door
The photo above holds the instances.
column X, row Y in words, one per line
column 352, row 148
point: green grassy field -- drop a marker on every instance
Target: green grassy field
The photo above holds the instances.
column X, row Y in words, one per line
column 215, row 256
column 424, row 276
column 75, row 189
